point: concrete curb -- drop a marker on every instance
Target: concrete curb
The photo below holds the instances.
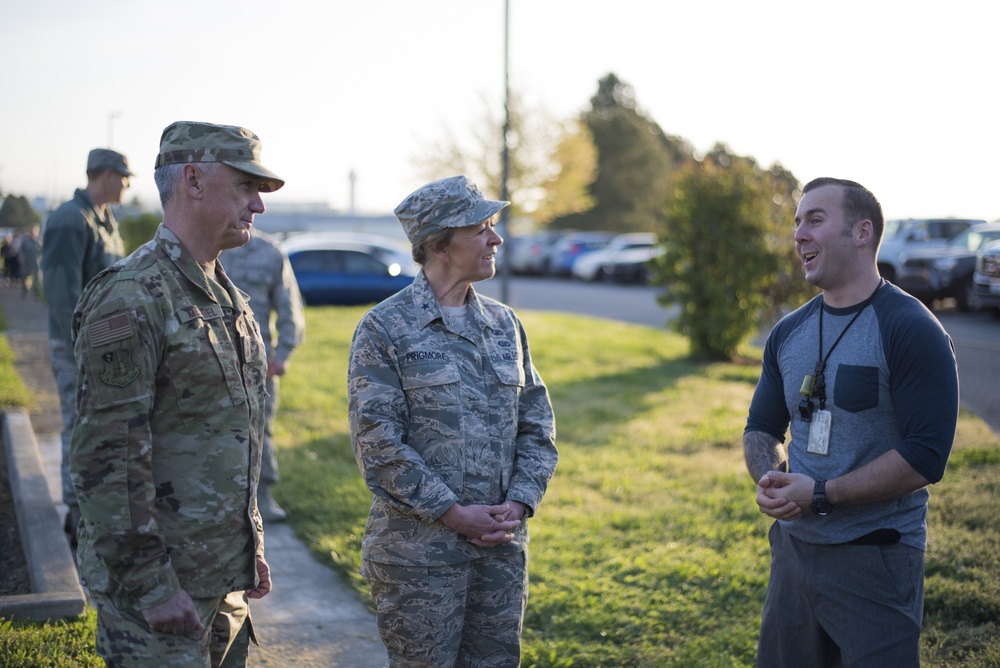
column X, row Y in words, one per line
column 56, row 591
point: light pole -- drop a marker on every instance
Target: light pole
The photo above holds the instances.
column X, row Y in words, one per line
column 111, row 127
column 505, row 158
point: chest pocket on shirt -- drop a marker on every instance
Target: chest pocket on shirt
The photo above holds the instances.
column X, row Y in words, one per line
column 856, row 388
column 430, row 385
column 205, row 378
column 510, row 374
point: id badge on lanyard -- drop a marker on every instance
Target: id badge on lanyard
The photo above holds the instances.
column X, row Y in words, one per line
column 819, row 432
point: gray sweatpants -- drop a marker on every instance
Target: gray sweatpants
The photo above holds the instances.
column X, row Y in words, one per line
column 841, row 605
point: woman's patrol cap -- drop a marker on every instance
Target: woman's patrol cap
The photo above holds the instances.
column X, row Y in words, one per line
column 190, row 141
column 451, row 202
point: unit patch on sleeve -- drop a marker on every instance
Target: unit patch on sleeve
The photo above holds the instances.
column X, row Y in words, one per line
column 119, row 369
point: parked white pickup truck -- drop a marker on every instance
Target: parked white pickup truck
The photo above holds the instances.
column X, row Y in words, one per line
column 903, row 234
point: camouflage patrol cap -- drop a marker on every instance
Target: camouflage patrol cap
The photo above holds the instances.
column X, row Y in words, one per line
column 190, row 141
column 101, row 159
column 451, row 202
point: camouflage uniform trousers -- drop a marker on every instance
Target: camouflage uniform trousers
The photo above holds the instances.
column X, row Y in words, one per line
column 64, row 370
column 124, row 639
column 268, row 457
column 466, row 615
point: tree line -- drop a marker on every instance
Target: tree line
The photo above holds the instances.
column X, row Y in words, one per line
column 724, row 221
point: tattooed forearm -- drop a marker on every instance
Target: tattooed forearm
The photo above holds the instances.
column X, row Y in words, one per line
column 763, row 453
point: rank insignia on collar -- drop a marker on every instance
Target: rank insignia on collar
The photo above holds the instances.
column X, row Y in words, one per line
column 119, row 369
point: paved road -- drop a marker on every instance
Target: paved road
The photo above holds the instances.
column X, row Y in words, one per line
column 628, row 303
column 977, row 347
column 976, row 335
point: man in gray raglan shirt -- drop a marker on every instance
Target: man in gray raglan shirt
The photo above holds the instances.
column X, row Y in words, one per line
column 865, row 380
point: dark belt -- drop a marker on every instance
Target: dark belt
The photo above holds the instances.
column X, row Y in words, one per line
column 877, row 537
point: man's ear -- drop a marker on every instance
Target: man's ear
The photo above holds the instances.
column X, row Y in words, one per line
column 193, row 181
column 864, row 232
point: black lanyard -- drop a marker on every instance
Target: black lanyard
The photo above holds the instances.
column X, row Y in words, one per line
column 815, row 385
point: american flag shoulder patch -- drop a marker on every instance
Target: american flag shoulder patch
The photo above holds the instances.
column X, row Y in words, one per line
column 109, row 330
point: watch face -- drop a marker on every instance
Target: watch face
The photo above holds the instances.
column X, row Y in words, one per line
column 822, row 508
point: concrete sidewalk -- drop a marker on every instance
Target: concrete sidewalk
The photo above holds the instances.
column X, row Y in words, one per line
column 311, row 618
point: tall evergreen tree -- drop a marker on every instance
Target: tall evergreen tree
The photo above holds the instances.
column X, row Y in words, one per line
column 635, row 160
column 17, row 213
column 571, row 169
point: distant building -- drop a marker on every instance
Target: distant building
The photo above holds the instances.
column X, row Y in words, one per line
column 283, row 220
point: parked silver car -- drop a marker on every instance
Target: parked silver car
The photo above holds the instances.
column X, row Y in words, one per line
column 590, row 267
column 529, row 253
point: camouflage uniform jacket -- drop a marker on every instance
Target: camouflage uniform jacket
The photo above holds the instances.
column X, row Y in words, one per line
column 261, row 269
column 438, row 417
column 166, row 452
column 76, row 246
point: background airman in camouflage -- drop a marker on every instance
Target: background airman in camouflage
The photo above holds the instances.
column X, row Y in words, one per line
column 261, row 269
column 81, row 239
column 454, row 433
column 166, row 452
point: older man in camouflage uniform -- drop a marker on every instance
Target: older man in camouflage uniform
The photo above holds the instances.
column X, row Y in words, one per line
column 455, row 436
column 261, row 269
column 81, row 239
column 166, row 453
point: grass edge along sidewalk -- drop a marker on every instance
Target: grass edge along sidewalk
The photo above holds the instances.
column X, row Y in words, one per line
column 648, row 549
column 61, row 644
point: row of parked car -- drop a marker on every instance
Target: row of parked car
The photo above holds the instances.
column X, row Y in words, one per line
column 939, row 258
column 589, row 256
column 933, row 259
column 350, row 269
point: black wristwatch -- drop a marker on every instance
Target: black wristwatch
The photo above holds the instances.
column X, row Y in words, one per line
column 820, row 505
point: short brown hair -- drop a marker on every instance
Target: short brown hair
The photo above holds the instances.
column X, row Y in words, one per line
column 434, row 241
column 859, row 202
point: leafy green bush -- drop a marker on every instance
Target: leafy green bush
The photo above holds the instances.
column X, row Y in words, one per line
column 138, row 229
column 728, row 259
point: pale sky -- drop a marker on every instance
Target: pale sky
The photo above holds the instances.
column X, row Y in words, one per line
column 897, row 94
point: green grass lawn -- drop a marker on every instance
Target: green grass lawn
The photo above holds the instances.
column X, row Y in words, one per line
column 648, row 549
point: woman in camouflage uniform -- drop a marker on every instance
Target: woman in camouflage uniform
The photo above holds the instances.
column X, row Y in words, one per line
column 455, row 436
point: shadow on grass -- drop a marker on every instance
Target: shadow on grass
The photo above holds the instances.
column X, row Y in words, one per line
column 583, row 406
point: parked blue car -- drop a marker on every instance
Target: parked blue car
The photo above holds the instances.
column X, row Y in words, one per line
column 349, row 269
column 571, row 246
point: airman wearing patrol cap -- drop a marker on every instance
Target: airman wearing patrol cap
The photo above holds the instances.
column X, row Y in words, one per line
column 452, row 202
column 103, row 159
column 454, row 433
column 188, row 142
column 80, row 240
column 166, row 454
